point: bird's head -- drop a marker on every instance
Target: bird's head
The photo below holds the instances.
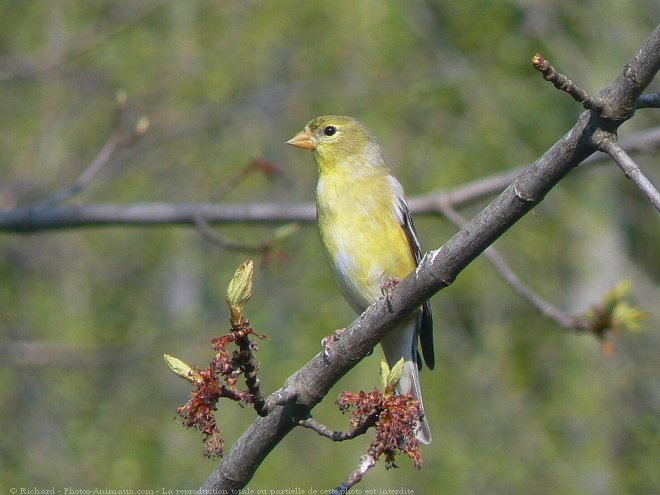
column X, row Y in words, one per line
column 340, row 142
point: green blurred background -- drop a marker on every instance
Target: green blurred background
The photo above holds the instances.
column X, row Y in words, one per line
column 516, row 405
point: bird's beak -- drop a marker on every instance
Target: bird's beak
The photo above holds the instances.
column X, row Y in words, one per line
column 304, row 139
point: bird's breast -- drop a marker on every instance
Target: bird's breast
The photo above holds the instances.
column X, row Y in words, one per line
column 362, row 237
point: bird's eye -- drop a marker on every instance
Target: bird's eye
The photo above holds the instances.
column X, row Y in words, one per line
column 330, row 130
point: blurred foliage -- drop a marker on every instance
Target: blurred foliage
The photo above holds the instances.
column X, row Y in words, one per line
column 516, row 405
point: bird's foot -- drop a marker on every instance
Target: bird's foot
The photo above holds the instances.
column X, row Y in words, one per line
column 327, row 342
column 387, row 287
column 389, row 284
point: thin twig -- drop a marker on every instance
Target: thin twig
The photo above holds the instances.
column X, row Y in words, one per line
column 262, row 248
column 631, row 169
column 367, row 461
column 548, row 310
column 339, row 436
column 257, row 164
column 211, row 234
column 223, row 241
column 114, row 142
column 563, row 83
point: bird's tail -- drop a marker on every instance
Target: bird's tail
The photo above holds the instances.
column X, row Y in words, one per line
column 409, row 383
column 399, row 344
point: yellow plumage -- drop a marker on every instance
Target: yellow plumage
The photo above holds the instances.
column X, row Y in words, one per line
column 367, row 233
column 350, row 218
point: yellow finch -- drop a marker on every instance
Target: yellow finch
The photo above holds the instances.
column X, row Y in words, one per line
column 368, row 235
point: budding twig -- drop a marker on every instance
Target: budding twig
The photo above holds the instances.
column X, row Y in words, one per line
column 220, row 379
column 563, row 83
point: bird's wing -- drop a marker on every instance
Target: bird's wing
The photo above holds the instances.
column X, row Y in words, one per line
column 425, row 328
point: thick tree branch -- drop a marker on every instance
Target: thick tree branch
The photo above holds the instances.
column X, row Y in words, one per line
column 437, row 270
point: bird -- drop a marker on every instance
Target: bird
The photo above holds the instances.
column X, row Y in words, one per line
column 368, row 236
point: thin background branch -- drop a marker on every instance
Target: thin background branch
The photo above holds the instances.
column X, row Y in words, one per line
column 36, row 218
column 114, row 143
column 526, row 292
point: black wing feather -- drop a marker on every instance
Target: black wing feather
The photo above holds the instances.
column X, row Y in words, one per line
column 425, row 323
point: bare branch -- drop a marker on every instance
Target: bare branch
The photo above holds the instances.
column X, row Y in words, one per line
column 339, row 436
column 36, row 218
column 436, row 271
column 563, row 83
column 462, row 195
column 548, row 310
column 262, row 248
column 632, row 170
column 114, row 142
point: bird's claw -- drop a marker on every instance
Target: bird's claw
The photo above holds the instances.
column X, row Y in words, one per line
column 389, row 284
column 327, row 342
column 385, row 289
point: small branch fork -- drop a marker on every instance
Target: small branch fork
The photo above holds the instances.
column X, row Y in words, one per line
column 266, row 248
column 605, row 140
column 547, row 309
column 115, row 142
column 367, row 461
column 631, row 170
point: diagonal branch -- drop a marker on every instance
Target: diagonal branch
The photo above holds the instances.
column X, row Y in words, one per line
column 114, row 142
column 437, row 270
column 547, row 309
column 564, row 83
column 632, row 170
